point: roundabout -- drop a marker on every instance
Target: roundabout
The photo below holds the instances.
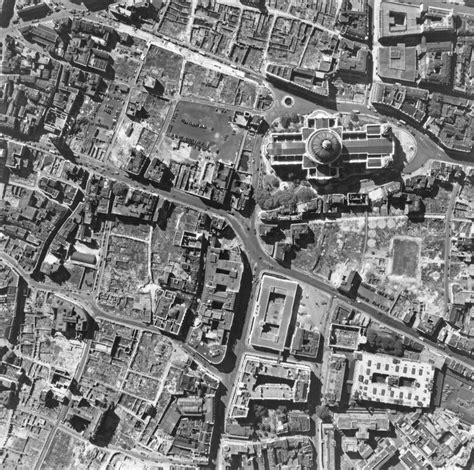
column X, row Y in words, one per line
column 288, row 101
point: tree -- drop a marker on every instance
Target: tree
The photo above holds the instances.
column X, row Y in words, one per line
column 324, row 413
column 262, row 195
column 392, row 346
column 268, row 201
column 120, row 189
column 354, row 117
column 371, row 338
column 384, row 343
column 398, row 348
column 305, row 194
column 295, row 118
column 285, row 121
column 286, row 197
column 259, row 412
column 272, row 181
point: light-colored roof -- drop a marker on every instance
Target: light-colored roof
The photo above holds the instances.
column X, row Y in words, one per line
column 388, row 379
column 273, row 313
column 399, row 19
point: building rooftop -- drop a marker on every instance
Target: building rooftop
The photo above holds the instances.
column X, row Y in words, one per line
column 305, row 343
column 398, row 63
column 377, row 146
column 335, row 380
column 324, row 146
column 316, row 147
column 344, row 337
column 293, row 387
column 399, row 19
column 363, row 422
column 387, row 379
column 274, row 310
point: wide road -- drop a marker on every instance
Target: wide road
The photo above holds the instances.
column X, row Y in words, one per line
column 427, row 148
column 245, row 229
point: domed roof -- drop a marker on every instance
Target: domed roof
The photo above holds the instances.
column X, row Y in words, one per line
column 324, row 146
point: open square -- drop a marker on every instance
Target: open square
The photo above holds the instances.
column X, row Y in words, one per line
column 208, row 127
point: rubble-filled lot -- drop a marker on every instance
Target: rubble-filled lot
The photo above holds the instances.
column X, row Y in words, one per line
column 337, row 248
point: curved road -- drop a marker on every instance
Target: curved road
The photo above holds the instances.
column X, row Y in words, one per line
column 245, row 229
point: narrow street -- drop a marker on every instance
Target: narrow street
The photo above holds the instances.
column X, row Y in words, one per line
column 244, row 229
column 161, row 420
column 447, row 244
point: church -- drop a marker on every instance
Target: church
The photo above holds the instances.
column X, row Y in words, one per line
column 323, row 147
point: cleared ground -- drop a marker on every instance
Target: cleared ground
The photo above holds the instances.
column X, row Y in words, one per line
column 209, row 126
column 68, row 453
column 405, row 257
column 457, row 396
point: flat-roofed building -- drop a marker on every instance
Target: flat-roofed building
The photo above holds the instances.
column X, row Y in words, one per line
column 387, row 379
column 88, row 259
column 377, row 460
column 398, row 63
column 262, row 379
column 334, row 384
column 328, row 459
column 42, row 35
column 399, row 19
column 345, row 337
column 363, row 422
column 274, row 310
column 305, row 343
column 209, row 335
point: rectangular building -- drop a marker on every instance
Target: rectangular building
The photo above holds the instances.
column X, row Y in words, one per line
column 387, row 379
column 274, row 310
column 264, row 379
column 334, row 383
column 399, row 19
column 362, row 422
column 327, row 447
column 345, row 337
column 398, row 63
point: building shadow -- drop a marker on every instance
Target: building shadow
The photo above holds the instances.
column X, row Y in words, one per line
column 94, row 5
column 6, row 13
column 219, row 425
column 241, row 310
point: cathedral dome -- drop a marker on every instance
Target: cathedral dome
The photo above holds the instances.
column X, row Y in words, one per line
column 324, row 146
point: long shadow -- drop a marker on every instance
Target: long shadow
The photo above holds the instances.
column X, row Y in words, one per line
column 41, row 11
column 249, row 208
column 218, row 427
column 292, row 323
column 106, row 429
column 6, row 13
column 94, row 5
column 241, row 308
column 19, row 312
column 92, row 328
column 274, row 236
column 314, row 397
column 322, row 341
column 327, row 102
column 302, row 243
